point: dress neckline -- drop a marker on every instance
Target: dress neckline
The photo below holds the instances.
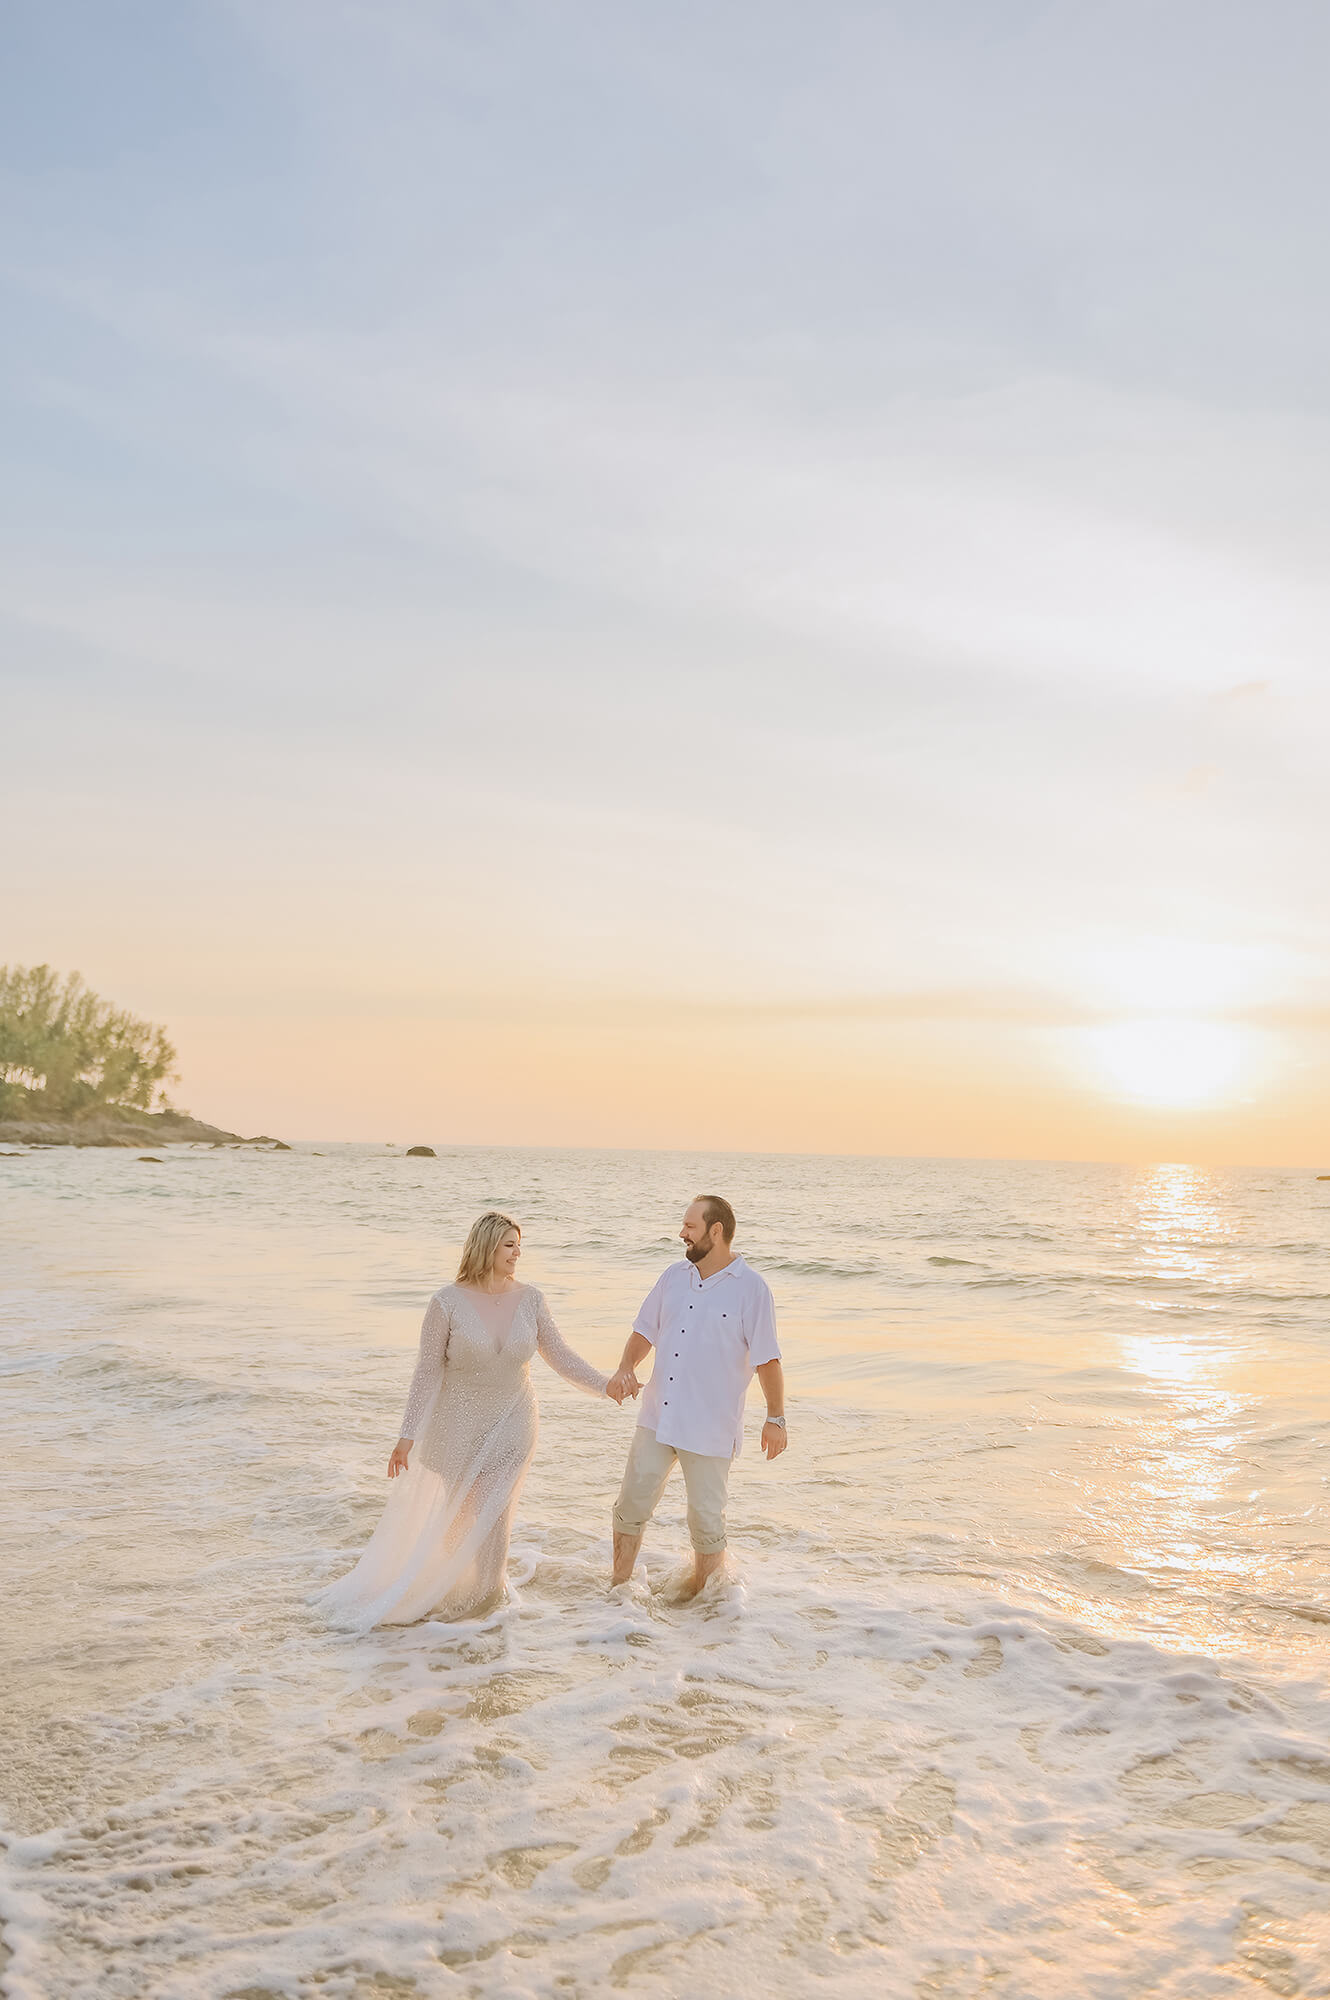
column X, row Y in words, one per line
column 497, row 1324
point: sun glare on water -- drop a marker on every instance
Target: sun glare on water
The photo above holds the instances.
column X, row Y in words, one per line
column 1175, row 1063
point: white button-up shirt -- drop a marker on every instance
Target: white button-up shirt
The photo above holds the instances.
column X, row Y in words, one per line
column 709, row 1335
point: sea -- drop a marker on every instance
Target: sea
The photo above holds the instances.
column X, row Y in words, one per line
column 1015, row 1684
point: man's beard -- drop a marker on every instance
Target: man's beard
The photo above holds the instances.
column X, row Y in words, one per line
column 695, row 1252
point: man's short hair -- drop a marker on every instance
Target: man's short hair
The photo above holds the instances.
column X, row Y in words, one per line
column 715, row 1209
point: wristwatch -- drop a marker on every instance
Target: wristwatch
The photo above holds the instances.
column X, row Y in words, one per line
column 778, row 1421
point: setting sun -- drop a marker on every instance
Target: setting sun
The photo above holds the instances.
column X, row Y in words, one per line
column 1171, row 1062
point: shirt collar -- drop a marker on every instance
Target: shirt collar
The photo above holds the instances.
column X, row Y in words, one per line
column 731, row 1269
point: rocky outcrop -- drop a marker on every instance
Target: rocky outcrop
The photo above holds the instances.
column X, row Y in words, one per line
column 421, row 1153
column 108, row 1126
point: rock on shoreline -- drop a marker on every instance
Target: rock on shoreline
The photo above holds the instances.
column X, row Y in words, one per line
column 112, row 1127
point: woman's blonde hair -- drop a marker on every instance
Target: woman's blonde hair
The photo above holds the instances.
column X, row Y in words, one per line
column 483, row 1239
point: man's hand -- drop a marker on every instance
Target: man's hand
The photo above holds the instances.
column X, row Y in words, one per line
column 774, row 1439
column 401, row 1453
column 625, row 1383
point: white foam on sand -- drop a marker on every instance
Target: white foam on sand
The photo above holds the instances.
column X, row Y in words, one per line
column 789, row 1784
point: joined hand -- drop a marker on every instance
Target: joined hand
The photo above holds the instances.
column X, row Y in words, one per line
column 624, row 1383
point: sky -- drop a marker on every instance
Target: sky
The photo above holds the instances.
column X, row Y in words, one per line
column 738, row 576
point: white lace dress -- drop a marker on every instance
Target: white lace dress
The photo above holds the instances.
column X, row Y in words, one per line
column 442, row 1545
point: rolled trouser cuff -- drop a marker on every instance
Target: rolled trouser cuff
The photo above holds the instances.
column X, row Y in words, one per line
column 706, row 1542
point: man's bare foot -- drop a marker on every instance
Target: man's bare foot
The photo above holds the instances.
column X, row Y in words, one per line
column 625, row 1555
column 703, row 1567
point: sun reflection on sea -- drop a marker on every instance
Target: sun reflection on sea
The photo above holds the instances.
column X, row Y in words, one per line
column 1168, row 1511
column 1172, row 1204
column 1169, row 1359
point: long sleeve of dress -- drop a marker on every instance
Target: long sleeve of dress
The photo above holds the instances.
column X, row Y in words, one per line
column 429, row 1367
column 555, row 1349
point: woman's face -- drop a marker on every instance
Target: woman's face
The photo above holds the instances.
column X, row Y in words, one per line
column 507, row 1254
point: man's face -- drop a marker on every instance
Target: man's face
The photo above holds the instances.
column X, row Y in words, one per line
column 697, row 1239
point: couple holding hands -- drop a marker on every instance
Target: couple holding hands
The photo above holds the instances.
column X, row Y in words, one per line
column 469, row 1431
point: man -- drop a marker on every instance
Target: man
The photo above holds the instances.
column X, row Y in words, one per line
column 712, row 1324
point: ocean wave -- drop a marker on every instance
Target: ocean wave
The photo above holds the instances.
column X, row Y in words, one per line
column 822, row 1267
column 123, row 1373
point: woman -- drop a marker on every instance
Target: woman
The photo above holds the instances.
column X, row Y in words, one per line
column 442, row 1545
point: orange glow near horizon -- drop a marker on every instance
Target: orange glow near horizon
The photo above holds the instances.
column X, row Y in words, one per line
column 666, row 1081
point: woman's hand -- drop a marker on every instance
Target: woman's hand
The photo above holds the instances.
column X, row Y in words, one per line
column 625, row 1383
column 401, row 1452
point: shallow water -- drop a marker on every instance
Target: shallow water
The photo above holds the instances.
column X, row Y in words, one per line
column 1017, row 1686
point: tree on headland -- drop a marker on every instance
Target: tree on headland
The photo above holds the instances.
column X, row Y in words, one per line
column 65, row 1050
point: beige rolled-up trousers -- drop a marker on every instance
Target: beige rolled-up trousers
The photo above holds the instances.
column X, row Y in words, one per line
column 705, row 1479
